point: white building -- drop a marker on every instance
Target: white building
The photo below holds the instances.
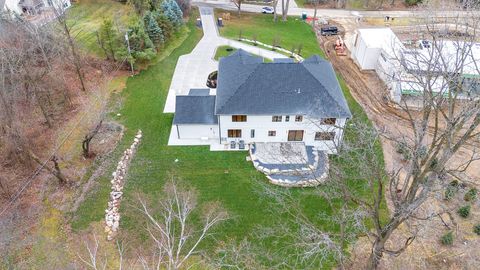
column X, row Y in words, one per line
column 264, row 102
column 32, row 7
column 380, row 49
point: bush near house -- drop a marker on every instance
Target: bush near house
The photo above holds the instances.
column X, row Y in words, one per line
column 447, row 239
column 476, row 229
column 464, row 211
column 471, row 195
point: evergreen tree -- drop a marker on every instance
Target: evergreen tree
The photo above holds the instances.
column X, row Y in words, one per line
column 173, row 12
column 154, row 32
column 108, row 39
column 141, row 45
column 165, row 24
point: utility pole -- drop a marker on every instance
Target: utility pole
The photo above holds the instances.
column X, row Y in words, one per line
column 129, row 52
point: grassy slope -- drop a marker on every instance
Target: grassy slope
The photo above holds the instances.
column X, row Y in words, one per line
column 217, row 176
column 291, row 33
column 87, row 17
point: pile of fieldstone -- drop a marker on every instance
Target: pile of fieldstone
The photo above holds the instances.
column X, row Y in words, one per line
column 112, row 215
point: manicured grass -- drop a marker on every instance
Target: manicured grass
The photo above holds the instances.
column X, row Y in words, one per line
column 291, row 34
column 87, row 16
column 224, row 51
column 217, row 176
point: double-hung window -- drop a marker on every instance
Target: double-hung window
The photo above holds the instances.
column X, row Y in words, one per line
column 277, row 118
column 239, row 118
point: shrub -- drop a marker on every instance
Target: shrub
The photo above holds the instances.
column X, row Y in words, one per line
column 454, row 183
column 402, row 149
column 464, row 211
column 471, row 195
column 412, row 2
column 450, row 192
column 447, row 239
column 476, row 229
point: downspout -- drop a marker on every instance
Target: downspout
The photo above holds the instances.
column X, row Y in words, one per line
column 219, row 130
column 178, row 132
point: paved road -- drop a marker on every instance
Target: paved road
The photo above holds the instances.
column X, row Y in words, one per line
column 326, row 13
column 192, row 69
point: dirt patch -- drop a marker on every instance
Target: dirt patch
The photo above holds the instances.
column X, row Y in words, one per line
column 426, row 252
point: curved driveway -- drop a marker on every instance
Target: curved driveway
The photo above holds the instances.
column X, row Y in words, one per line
column 192, row 69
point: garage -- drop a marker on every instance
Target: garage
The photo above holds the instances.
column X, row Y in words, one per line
column 194, row 117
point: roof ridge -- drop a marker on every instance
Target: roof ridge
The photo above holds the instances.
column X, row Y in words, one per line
column 326, row 89
column 246, row 79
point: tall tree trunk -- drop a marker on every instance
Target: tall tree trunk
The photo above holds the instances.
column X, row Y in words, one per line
column 76, row 58
column 275, row 17
column 315, row 5
column 285, row 10
column 377, row 253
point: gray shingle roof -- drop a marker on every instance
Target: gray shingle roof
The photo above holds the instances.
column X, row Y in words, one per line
column 195, row 110
column 246, row 85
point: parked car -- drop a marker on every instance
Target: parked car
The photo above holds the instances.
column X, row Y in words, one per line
column 267, row 10
column 329, row 30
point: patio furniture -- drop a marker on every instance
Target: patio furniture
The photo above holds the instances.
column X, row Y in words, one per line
column 232, row 144
column 241, row 144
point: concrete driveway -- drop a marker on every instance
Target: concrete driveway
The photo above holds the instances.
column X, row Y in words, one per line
column 193, row 69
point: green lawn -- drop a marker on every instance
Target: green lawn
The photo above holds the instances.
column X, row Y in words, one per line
column 291, row 34
column 87, row 16
column 217, row 176
column 224, row 51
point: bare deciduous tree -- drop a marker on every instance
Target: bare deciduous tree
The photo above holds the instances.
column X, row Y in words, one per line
column 175, row 234
column 67, row 27
column 285, row 5
column 238, row 4
column 88, row 138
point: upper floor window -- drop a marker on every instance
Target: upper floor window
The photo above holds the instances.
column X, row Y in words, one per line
column 272, row 133
column 298, row 118
column 329, row 121
column 287, row 118
column 239, row 118
column 324, row 136
column 277, row 118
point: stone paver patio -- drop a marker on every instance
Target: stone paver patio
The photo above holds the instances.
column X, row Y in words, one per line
column 290, row 164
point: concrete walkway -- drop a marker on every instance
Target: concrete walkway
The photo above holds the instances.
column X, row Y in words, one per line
column 193, row 69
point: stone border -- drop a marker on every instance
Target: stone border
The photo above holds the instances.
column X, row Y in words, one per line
column 112, row 214
column 288, row 183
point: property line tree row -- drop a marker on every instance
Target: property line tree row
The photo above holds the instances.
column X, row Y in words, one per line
column 155, row 24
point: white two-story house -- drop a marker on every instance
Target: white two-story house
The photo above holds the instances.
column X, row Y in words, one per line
column 255, row 101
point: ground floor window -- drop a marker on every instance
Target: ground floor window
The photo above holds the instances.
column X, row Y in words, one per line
column 234, row 133
column 324, row 136
column 272, row 133
column 252, row 133
column 295, row 135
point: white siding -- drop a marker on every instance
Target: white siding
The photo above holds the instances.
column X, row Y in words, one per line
column 197, row 131
column 263, row 124
column 366, row 57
